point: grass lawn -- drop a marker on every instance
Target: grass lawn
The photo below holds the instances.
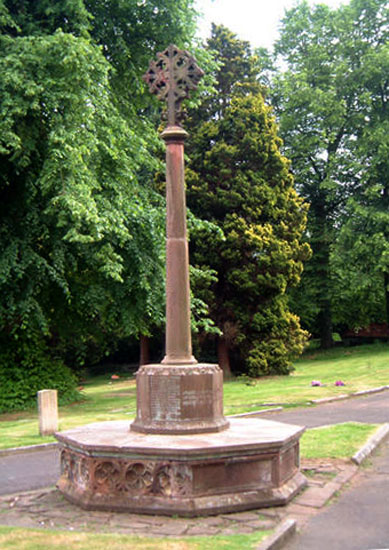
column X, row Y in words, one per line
column 338, row 441
column 359, row 368
column 33, row 539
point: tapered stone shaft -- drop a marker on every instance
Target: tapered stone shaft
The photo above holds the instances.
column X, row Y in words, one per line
column 178, row 329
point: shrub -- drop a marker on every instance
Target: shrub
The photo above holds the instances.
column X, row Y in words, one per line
column 26, row 366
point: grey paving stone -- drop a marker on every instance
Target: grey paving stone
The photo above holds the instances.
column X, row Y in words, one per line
column 318, row 496
column 213, row 521
column 170, row 529
column 262, row 524
column 201, row 530
column 241, row 516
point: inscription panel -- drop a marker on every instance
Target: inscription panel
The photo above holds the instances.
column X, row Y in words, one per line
column 197, row 396
column 235, row 476
column 179, row 399
column 197, row 403
column 165, row 397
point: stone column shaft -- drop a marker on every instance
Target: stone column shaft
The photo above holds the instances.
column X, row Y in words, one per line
column 178, row 327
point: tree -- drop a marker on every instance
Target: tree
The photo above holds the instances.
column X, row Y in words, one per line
column 81, row 229
column 362, row 292
column 239, row 180
column 322, row 101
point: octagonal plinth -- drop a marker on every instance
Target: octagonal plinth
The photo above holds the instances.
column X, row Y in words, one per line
column 179, row 399
column 253, row 464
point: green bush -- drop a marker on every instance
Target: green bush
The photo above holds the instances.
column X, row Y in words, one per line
column 26, row 367
column 272, row 352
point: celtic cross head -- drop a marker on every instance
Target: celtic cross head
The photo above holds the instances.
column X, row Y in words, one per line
column 171, row 77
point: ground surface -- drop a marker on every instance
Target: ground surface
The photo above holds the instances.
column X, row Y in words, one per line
column 27, row 471
column 357, row 520
column 22, row 472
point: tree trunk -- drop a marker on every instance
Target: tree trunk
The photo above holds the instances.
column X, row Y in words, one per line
column 144, row 358
column 321, row 243
column 325, row 326
column 223, row 357
column 386, row 283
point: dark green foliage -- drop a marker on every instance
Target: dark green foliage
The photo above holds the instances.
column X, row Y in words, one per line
column 239, row 180
column 26, row 367
column 81, row 229
column 43, row 17
column 79, row 232
column 363, row 240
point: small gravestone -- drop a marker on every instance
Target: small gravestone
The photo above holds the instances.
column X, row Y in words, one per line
column 48, row 411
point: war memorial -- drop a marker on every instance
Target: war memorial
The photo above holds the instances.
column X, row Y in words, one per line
column 180, row 455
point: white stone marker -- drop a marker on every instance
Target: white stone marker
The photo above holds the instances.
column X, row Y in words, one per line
column 48, row 412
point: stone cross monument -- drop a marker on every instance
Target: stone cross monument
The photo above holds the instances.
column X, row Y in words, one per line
column 171, row 78
column 181, row 456
column 179, row 395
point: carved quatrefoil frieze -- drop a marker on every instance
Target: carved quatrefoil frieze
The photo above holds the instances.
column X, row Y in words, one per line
column 75, row 467
column 139, row 477
column 118, row 476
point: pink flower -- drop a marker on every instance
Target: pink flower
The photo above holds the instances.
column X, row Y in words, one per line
column 339, row 383
column 316, row 383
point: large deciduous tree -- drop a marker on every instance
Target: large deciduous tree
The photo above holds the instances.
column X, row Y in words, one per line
column 360, row 256
column 331, row 101
column 81, row 231
column 239, row 180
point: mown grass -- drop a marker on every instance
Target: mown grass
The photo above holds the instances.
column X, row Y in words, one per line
column 103, row 400
column 32, row 539
column 338, row 441
column 359, row 368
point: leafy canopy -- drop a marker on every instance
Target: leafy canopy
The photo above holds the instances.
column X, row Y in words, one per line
column 331, row 101
column 81, row 230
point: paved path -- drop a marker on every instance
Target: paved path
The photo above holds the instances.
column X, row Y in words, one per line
column 27, row 471
column 370, row 409
column 22, row 472
column 358, row 520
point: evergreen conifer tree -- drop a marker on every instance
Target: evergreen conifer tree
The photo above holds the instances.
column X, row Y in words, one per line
column 239, row 180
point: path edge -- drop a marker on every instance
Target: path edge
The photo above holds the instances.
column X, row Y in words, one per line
column 348, row 395
column 28, row 449
column 282, row 534
column 371, row 444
